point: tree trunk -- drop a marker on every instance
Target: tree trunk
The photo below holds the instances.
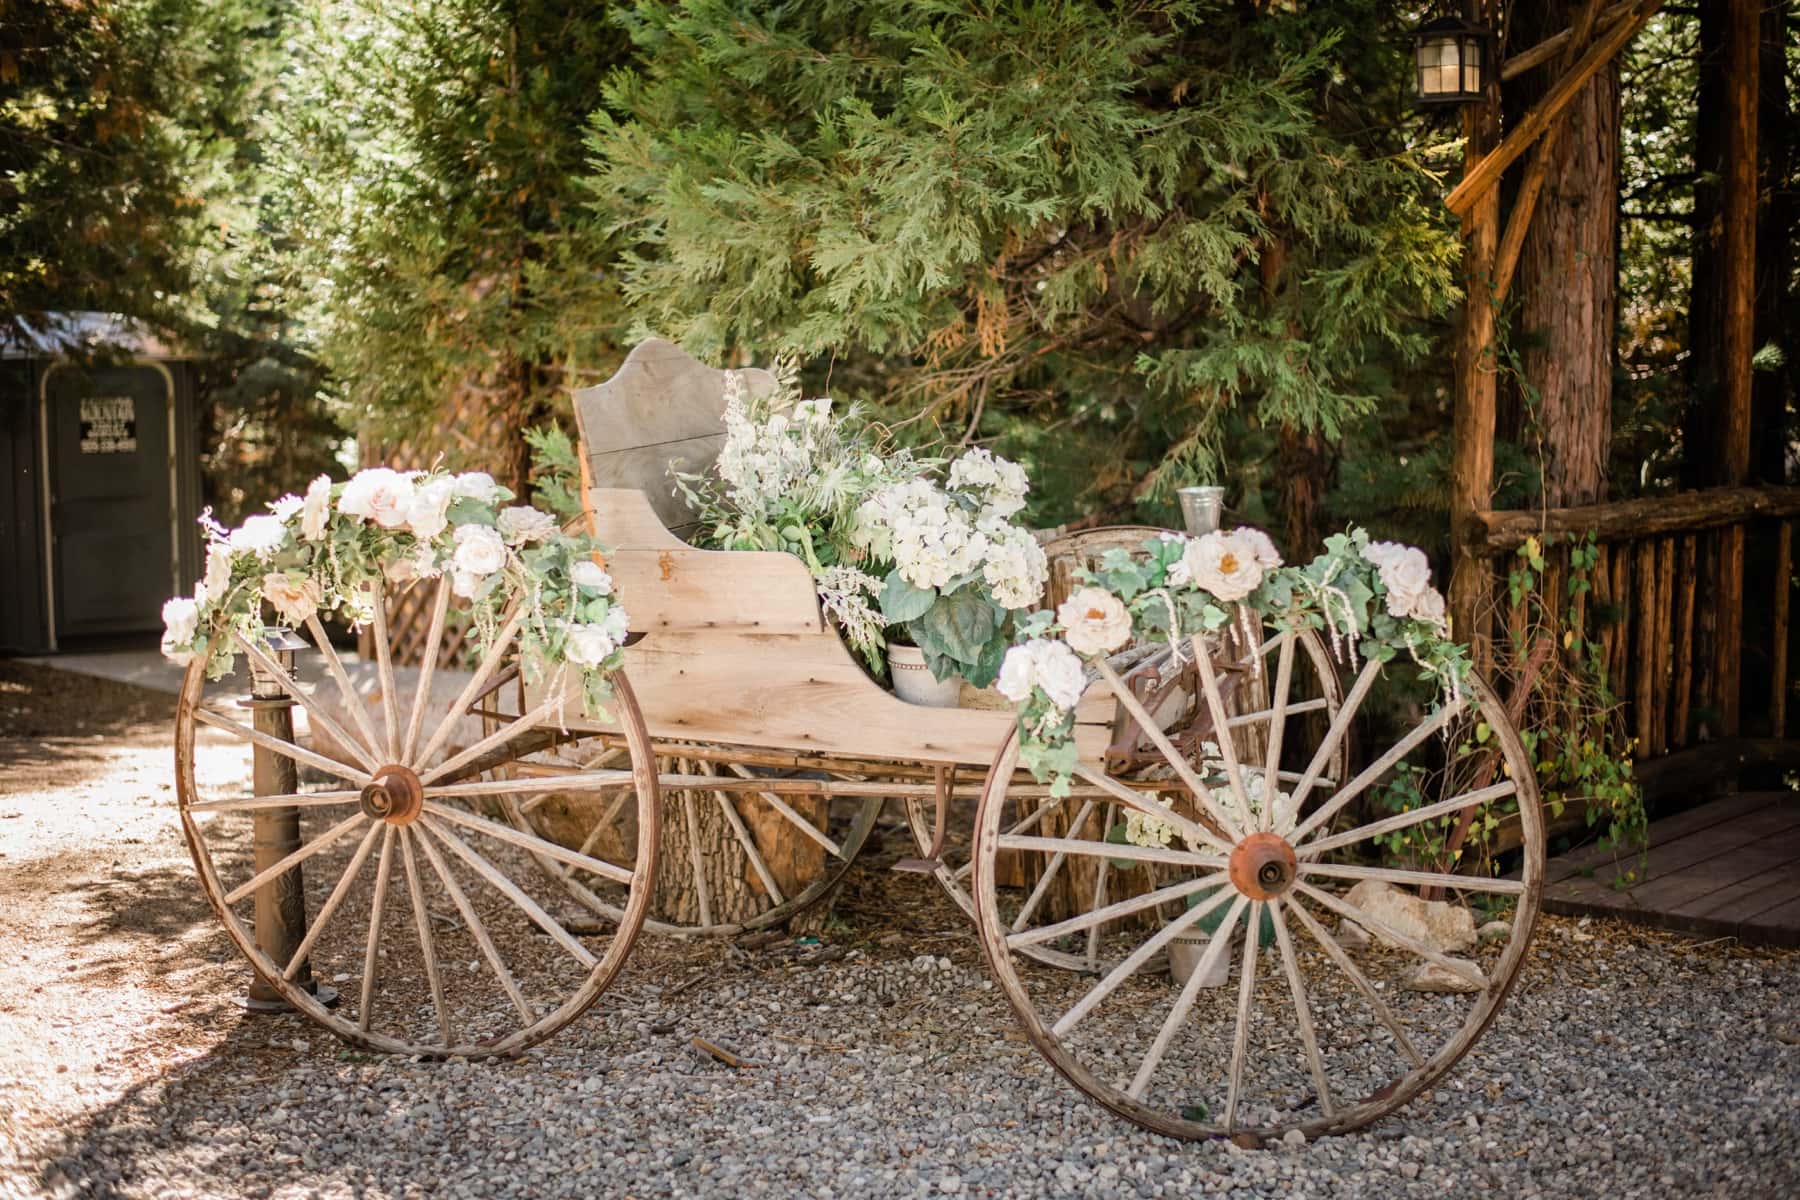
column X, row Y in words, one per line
column 1567, row 274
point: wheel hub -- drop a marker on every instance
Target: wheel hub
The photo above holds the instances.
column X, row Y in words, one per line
column 1263, row 866
column 395, row 795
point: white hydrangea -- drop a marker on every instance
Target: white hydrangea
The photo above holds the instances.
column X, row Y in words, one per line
column 285, row 508
column 1142, row 829
column 760, row 462
column 928, row 535
column 1044, row 663
column 1015, row 569
column 997, row 486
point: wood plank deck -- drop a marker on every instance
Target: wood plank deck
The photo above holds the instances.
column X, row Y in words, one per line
column 1730, row 868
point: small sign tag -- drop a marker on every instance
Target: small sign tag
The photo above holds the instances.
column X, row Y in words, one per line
column 109, row 425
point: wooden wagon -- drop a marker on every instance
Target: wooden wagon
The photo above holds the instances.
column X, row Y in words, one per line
column 747, row 757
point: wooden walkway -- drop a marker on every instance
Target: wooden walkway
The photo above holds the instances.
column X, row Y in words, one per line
column 1730, row 868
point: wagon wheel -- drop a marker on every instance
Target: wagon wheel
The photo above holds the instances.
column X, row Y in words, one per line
column 721, row 872
column 1317, row 1032
column 476, row 960
column 1315, row 697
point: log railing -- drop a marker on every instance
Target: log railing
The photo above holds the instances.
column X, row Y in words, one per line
column 1671, row 654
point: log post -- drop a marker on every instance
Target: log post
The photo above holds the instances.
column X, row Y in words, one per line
column 1743, row 58
column 1472, row 465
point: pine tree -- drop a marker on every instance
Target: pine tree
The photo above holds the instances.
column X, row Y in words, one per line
column 1137, row 246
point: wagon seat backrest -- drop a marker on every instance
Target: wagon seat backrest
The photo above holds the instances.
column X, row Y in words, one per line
column 664, row 406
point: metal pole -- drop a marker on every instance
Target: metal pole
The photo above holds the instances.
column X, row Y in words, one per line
column 281, row 904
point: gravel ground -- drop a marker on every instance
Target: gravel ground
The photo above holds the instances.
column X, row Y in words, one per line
column 879, row 1062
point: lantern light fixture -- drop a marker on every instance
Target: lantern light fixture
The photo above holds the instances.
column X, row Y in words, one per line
column 1454, row 61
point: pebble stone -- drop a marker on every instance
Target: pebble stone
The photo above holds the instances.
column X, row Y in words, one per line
column 1622, row 1067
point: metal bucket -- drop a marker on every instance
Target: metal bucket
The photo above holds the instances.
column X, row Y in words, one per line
column 1201, row 508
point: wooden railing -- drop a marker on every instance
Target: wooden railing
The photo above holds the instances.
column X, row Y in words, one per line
column 1672, row 643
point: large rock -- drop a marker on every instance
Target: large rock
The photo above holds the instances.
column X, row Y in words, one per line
column 1442, row 926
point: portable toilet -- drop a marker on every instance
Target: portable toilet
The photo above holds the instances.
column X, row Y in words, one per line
column 101, row 482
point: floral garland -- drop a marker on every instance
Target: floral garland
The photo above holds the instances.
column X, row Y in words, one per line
column 1372, row 599
column 334, row 549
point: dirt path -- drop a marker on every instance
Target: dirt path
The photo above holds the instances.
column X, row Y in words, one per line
column 116, row 972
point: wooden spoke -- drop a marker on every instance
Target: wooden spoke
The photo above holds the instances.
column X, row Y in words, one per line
column 353, row 701
column 1190, row 991
column 483, row 939
column 730, row 813
column 599, row 781
column 377, row 911
column 1263, row 714
column 1302, row 1010
column 384, row 663
column 1240, row 1044
column 1054, row 866
column 299, row 754
column 324, row 840
column 1284, row 675
column 1328, row 745
column 1124, row 851
column 415, row 720
column 1096, row 917
column 500, row 736
column 284, row 800
column 1202, row 794
column 690, row 814
column 1374, row 924
column 490, row 663
column 510, row 890
column 422, row 922
column 1215, row 703
column 329, row 909
column 1099, row 899
column 526, row 841
column 1412, row 817
column 1376, row 769
column 787, row 810
column 1467, row 883
column 595, row 767
column 1137, row 958
column 1191, row 831
column 291, row 686
column 1377, row 1005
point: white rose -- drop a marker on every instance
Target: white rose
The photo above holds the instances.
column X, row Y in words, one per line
column 588, row 645
column 295, row 602
column 378, row 494
column 316, row 511
column 1267, row 557
column 522, row 523
column 1405, row 573
column 465, row 584
column 478, row 486
column 426, row 512
column 260, row 535
column 479, row 553
column 181, row 617
column 1042, row 663
column 218, row 571
column 1094, row 621
column 1221, row 563
column 588, row 574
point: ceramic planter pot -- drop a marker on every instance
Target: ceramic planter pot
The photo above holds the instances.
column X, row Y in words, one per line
column 914, row 683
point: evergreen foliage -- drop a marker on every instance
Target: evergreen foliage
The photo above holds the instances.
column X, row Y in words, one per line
column 1114, row 239
column 429, row 156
